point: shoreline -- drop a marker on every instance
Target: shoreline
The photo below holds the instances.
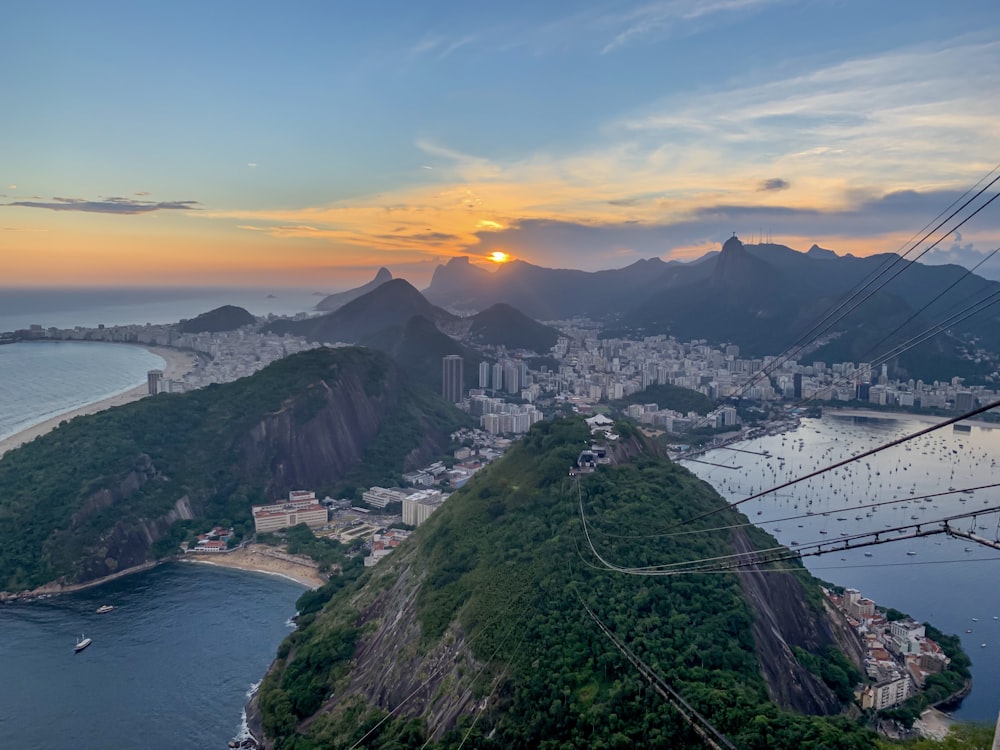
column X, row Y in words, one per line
column 177, row 363
column 253, row 559
column 257, row 559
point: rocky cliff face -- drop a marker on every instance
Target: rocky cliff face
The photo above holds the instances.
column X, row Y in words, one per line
column 319, row 435
column 783, row 619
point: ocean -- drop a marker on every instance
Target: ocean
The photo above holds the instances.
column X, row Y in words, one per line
column 170, row 667
column 91, row 307
column 42, row 379
column 949, row 582
column 39, row 380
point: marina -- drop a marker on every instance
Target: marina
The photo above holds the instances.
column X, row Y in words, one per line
column 932, row 477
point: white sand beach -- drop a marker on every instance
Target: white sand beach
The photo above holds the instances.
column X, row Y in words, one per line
column 178, row 363
column 261, row 559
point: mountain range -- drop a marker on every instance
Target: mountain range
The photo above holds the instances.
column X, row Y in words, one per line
column 764, row 298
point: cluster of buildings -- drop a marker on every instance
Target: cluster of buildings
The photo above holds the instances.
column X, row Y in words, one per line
column 214, row 541
column 229, row 355
column 898, row 654
column 595, row 369
column 383, row 543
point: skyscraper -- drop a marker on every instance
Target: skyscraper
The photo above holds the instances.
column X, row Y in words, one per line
column 484, row 374
column 497, row 376
column 452, row 378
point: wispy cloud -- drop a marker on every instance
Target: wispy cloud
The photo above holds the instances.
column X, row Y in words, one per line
column 660, row 18
column 113, row 205
column 441, row 47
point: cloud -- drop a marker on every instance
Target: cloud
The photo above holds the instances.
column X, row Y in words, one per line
column 441, row 47
column 660, row 18
column 112, row 205
column 775, row 183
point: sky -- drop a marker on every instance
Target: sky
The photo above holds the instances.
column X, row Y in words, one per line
column 309, row 143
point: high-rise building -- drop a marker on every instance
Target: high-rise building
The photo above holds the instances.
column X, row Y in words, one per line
column 497, row 376
column 452, row 378
column 153, row 380
column 484, row 374
column 510, row 377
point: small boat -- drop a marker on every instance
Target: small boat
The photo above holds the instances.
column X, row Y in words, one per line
column 104, row 609
column 868, row 554
column 911, row 554
column 82, row 644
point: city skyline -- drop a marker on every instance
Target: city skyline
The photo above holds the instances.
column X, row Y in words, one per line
column 252, row 145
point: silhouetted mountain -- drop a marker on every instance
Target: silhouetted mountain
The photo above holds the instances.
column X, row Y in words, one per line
column 543, row 293
column 225, row 318
column 390, row 304
column 418, row 347
column 503, row 325
column 335, row 301
column 764, row 297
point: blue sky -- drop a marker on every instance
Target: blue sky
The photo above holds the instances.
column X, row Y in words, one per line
column 310, row 143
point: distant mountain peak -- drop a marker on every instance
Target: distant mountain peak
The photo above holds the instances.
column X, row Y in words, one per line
column 338, row 300
column 820, row 252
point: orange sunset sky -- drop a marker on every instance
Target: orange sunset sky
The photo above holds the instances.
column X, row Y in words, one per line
column 251, row 145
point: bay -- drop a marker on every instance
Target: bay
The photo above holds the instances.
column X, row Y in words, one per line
column 169, row 667
column 41, row 379
column 947, row 581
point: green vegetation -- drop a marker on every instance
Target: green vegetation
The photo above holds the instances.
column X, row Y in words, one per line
column 668, row 396
column 503, row 325
column 225, row 318
column 62, row 494
column 836, row 670
column 503, row 561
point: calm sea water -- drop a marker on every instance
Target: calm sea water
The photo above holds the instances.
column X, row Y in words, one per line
column 951, row 583
column 39, row 380
column 170, row 667
column 66, row 308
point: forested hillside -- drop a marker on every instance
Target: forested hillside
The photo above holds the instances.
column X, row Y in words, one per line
column 106, row 492
column 476, row 632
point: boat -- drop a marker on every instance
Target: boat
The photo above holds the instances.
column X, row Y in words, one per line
column 82, row 644
column 868, row 554
column 104, row 609
column 911, row 554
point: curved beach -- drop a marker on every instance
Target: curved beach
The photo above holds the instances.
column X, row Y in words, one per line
column 177, row 364
column 263, row 559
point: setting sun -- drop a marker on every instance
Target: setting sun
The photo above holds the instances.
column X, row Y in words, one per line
column 498, row 256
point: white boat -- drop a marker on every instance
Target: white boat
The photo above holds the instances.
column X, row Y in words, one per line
column 104, row 608
column 82, row 644
column 911, row 554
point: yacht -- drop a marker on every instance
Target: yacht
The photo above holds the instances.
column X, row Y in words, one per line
column 82, row 644
column 104, row 609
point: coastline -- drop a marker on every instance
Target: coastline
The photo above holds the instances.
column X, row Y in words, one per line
column 252, row 559
column 177, row 364
column 267, row 560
